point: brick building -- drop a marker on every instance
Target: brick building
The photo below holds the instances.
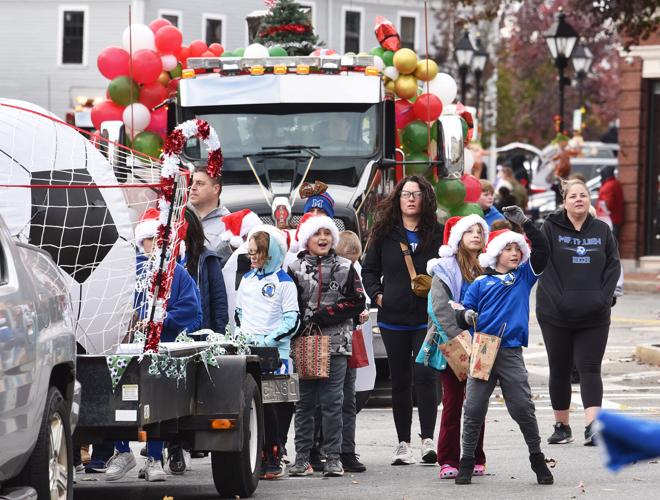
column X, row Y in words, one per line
column 639, row 157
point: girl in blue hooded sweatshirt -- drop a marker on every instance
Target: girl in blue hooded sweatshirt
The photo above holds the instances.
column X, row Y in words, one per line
column 267, row 309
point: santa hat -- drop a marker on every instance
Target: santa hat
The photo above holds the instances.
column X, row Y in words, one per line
column 497, row 242
column 454, row 229
column 147, row 227
column 275, row 234
column 238, row 225
column 323, row 201
column 310, row 226
column 294, row 244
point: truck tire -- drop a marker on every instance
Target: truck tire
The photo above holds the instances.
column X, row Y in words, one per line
column 50, row 468
column 236, row 474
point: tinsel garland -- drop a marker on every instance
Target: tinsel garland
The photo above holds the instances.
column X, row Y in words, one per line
column 299, row 29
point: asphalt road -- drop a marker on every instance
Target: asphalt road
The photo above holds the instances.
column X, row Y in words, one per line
column 629, row 387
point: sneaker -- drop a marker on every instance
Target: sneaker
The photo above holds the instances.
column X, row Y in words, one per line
column 187, row 459
column 428, row 451
column 403, row 455
column 465, row 471
column 448, row 472
column 119, row 465
column 317, row 461
column 175, row 461
column 96, row 467
column 561, row 435
column 590, row 435
column 274, row 467
column 302, row 467
column 79, row 468
column 351, row 463
column 333, row 467
column 264, row 466
column 153, row 470
column 540, row 468
column 479, row 470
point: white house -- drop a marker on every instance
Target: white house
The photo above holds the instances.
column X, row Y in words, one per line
column 49, row 48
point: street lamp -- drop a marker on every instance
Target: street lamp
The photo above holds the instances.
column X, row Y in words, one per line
column 561, row 39
column 464, row 53
column 581, row 60
column 479, row 60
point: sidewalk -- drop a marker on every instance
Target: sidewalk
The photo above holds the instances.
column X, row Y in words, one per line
column 642, row 281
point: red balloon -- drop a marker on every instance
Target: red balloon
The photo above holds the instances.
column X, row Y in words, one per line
column 106, row 111
column 158, row 123
column 157, row 24
column 404, row 113
column 208, row 53
column 428, row 107
column 472, row 188
column 168, row 39
column 183, row 55
column 147, row 66
column 197, row 48
column 113, row 62
column 152, row 95
column 217, row 49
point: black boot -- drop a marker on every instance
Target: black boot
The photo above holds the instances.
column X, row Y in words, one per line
column 543, row 474
column 465, row 470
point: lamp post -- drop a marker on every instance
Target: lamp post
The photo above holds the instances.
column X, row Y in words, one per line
column 561, row 39
column 464, row 53
column 582, row 58
column 479, row 60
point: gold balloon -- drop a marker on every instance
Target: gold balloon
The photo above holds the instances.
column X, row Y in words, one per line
column 390, row 86
column 406, row 86
column 164, row 78
column 405, row 60
column 421, row 72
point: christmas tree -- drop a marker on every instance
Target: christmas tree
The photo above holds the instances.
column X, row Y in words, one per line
column 288, row 26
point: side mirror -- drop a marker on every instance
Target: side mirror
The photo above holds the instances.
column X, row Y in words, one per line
column 450, row 132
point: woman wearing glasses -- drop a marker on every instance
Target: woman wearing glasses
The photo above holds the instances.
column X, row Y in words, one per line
column 405, row 222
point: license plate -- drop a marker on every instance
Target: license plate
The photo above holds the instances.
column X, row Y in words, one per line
column 280, row 389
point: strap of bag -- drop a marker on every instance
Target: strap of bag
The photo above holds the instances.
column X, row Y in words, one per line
column 409, row 262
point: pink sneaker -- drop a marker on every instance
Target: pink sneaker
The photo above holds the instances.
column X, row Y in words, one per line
column 448, row 472
column 479, row 470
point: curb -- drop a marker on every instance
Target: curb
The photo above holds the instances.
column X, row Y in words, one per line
column 641, row 286
column 648, row 354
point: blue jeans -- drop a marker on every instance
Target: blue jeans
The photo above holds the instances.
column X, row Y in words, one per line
column 154, row 448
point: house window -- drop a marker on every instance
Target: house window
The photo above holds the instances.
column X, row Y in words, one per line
column 73, row 36
column 408, row 32
column 213, row 31
column 173, row 18
column 352, row 21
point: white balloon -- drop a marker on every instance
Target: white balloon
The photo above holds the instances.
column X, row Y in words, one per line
column 391, row 72
column 136, row 116
column 169, row 62
column 468, row 160
column 256, row 51
column 141, row 37
column 444, row 87
column 379, row 63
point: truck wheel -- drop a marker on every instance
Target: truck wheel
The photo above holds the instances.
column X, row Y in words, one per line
column 50, row 467
column 236, row 474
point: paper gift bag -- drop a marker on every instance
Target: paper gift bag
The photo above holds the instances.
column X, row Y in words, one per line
column 311, row 354
column 457, row 353
column 484, row 351
column 358, row 357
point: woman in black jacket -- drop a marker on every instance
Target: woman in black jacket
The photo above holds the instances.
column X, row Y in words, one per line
column 406, row 216
column 573, row 303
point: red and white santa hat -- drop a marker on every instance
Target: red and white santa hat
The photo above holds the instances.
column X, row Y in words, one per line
column 454, row 229
column 497, row 242
column 310, row 224
column 294, row 244
column 238, row 225
column 276, row 234
column 147, row 227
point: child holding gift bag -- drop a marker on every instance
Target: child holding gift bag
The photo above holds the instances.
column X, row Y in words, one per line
column 457, row 267
column 501, row 297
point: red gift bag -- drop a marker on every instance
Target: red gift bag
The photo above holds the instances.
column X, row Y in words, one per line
column 358, row 358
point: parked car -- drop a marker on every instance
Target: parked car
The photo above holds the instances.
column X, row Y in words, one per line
column 39, row 394
column 589, row 168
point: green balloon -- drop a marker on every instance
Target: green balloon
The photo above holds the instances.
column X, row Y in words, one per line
column 123, row 91
column 450, row 193
column 377, row 51
column 148, row 143
column 239, row 52
column 467, row 209
column 176, row 72
column 277, row 51
column 227, row 53
column 415, row 136
column 417, row 168
column 388, row 58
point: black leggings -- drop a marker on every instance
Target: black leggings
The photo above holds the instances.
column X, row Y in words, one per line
column 583, row 346
column 402, row 348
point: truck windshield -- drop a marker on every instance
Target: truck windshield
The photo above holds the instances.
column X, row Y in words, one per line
column 339, row 130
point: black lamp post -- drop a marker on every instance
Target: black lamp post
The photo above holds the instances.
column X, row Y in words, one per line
column 581, row 60
column 464, row 53
column 479, row 60
column 561, row 39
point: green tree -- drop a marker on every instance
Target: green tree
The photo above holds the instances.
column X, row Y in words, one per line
column 288, row 26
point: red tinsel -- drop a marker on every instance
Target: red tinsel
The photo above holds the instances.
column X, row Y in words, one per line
column 153, row 331
column 174, row 143
column 167, row 189
column 203, row 129
column 286, row 28
column 214, row 167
